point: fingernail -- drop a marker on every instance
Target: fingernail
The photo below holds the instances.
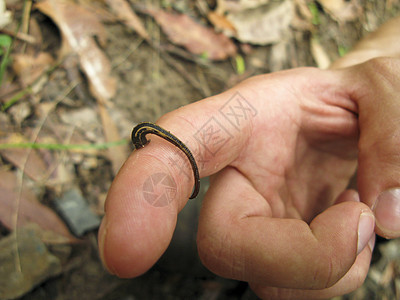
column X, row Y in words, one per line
column 366, row 226
column 371, row 242
column 387, row 210
column 102, row 238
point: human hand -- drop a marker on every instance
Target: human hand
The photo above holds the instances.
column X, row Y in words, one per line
column 281, row 149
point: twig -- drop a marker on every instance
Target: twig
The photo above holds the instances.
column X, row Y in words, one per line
column 131, row 50
column 19, row 35
column 186, row 55
column 26, row 16
column 179, row 68
column 25, row 19
column 182, row 71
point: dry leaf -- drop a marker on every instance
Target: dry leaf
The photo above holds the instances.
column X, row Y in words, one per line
column 342, row 10
column 127, row 16
column 263, row 25
column 98, row 8
column 20, row 111
column 197, row 38
column 29, row 68
column 5, row 15
column 28, row 160
column 118, row 154
column 221, row 23
column 5, row 125
column 28, row 209
column 239, row 5
column 78, row 27
column 25, row 263
column 304, row 10
column 303, row 17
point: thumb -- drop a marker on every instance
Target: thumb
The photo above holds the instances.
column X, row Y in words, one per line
column 378, row 100
column 155, row 182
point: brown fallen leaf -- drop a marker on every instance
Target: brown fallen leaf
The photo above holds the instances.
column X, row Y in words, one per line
column 126, row 15
column 303, row 18
column 196, row 38
column 21, row 204
column 263, row 25
column 28, row 160
column 221, row 23
column 238, row 5
column 98, row 8
column 118, row 154
column 29, row 68
column 25, row 263
column 5, row 125
column 78, row 27
column 342, row 10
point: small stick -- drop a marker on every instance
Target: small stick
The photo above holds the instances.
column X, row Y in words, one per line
column 20, row 35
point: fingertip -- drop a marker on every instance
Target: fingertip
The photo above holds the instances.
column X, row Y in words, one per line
column 348, row 195
column 124, row 255
column 366, row 225
column 387, row 213
column 102, row 234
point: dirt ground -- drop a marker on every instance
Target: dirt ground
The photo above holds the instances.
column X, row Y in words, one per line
column 148, row 85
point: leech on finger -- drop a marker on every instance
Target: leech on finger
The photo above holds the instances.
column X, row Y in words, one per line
column 139, row 140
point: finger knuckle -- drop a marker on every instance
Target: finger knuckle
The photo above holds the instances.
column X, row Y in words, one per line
column 328, row 271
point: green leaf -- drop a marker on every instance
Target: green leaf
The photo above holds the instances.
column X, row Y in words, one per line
column 240, row 65
column 5, row 40
column 5, row 49
column 312, row 6
column 5, row 43
column 342, row 50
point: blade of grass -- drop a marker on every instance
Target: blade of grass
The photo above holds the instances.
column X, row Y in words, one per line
column 98, row 146
column 16, row 98
column 5, row 60
column 312, row 6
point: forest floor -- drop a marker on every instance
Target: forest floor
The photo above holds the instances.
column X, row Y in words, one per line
column 76, row 76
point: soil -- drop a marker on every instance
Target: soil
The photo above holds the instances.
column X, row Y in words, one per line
column 149, row 87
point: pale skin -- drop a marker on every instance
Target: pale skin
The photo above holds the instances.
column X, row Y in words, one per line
column 277, row 213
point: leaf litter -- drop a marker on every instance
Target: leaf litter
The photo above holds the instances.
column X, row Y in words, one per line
column 79, row 28
column 342, row 10
column 225, row 29
column 264, row 24
column 28, row 209
column 195, row 37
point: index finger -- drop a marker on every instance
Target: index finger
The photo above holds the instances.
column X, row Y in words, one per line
column 155, row 182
